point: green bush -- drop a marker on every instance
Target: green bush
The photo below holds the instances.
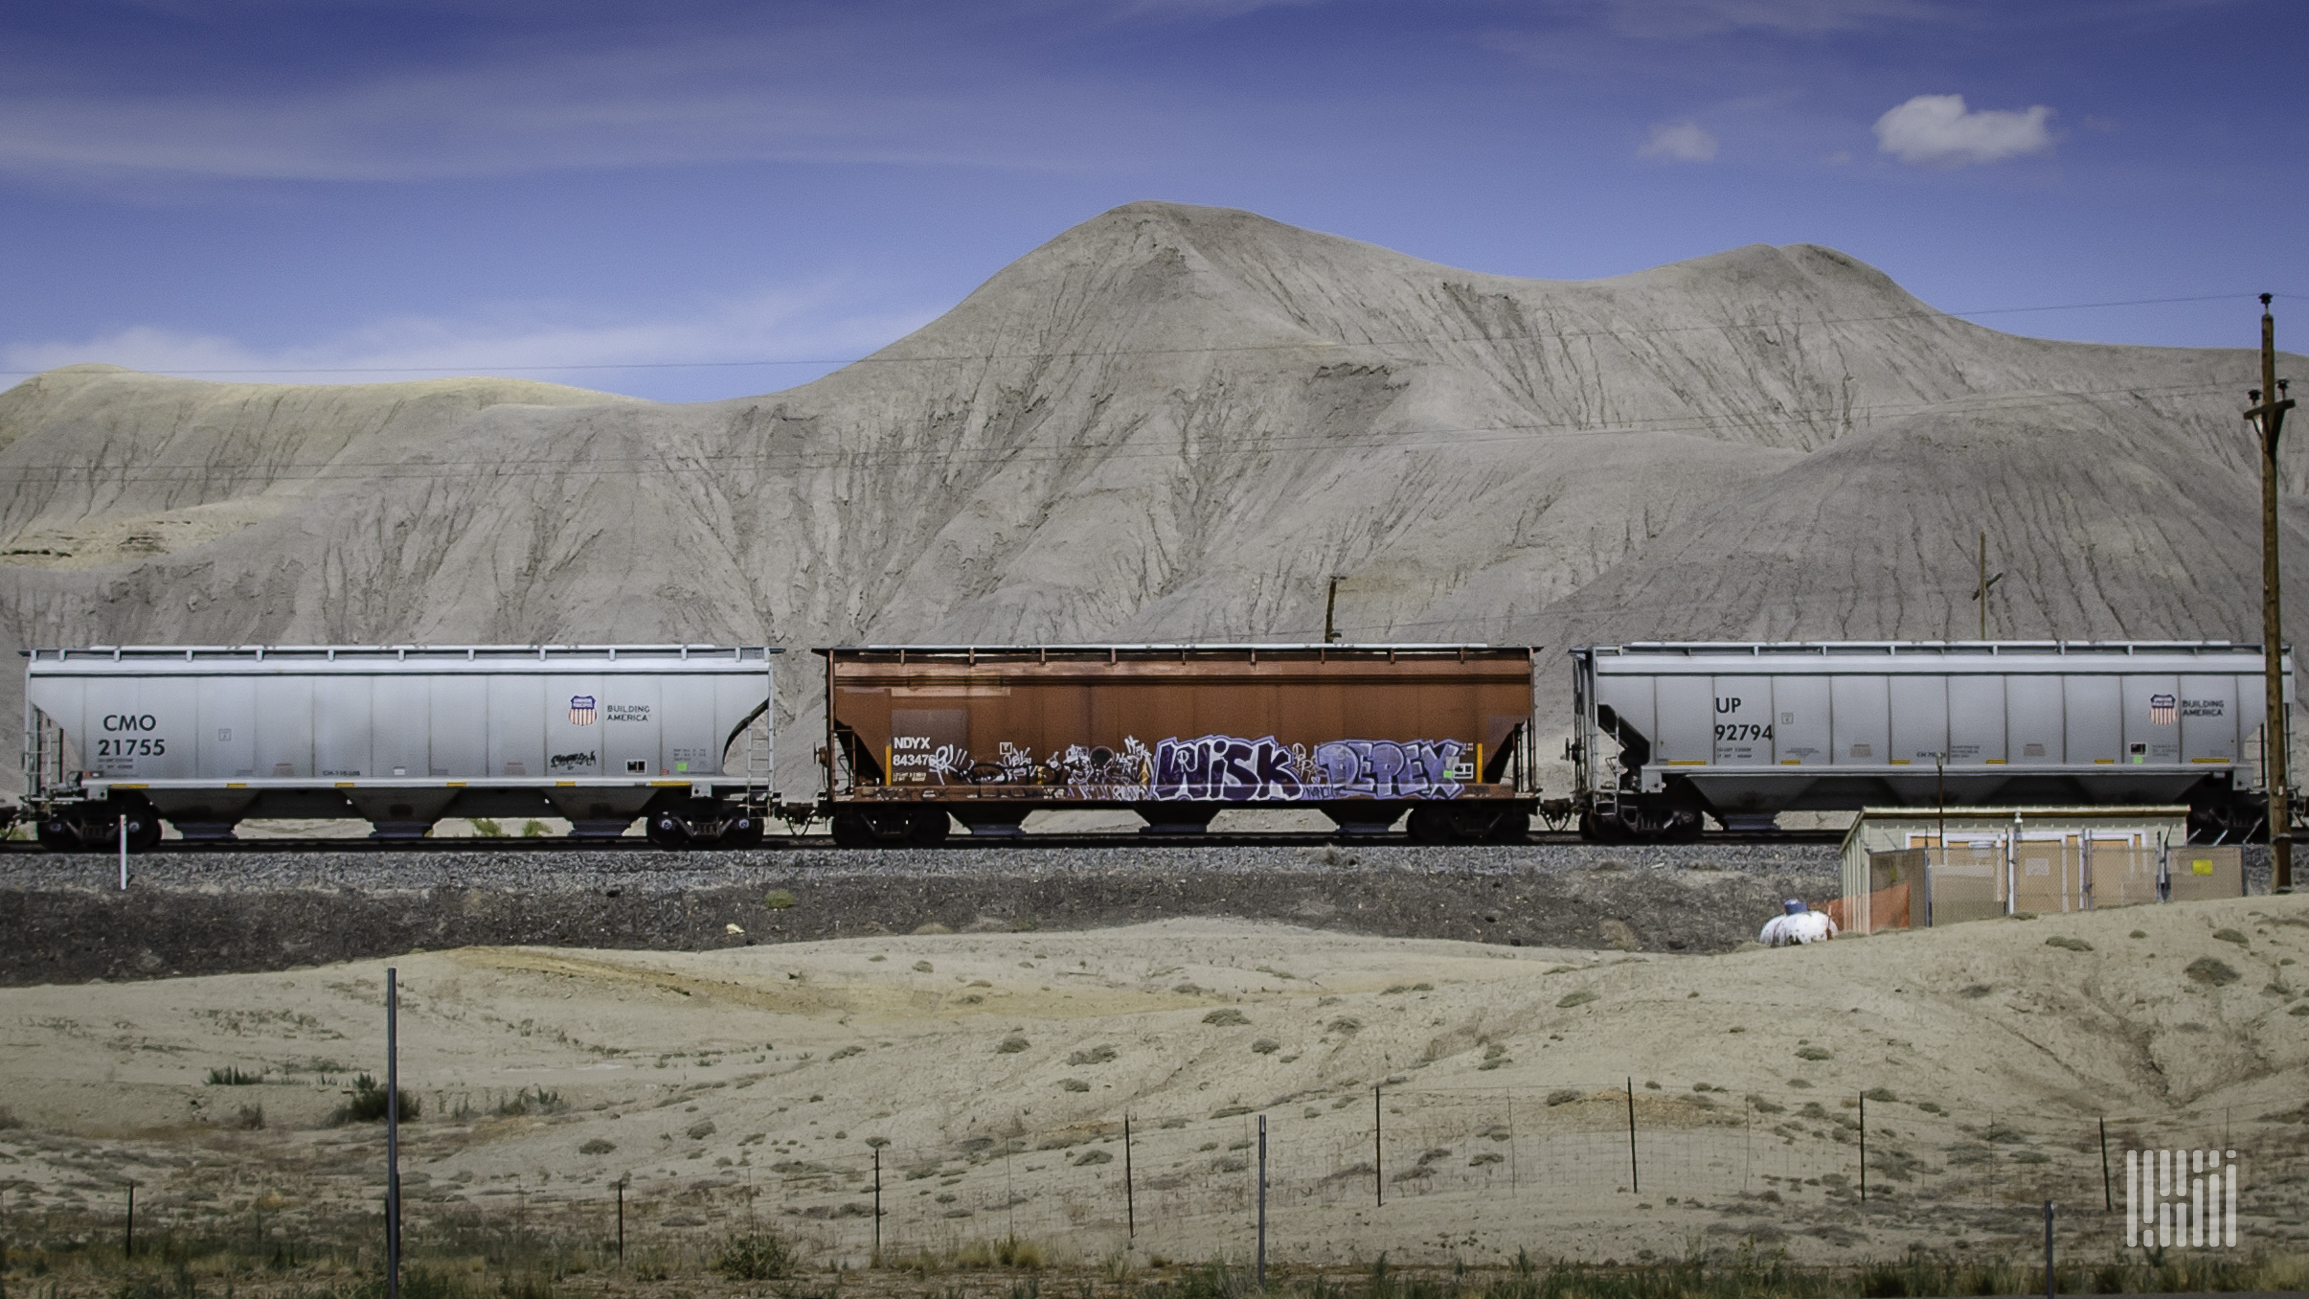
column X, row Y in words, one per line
column 756, row 1256
column 368, row 1104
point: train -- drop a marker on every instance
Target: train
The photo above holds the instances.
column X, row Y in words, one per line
column 1439, row 739
column 1666, row 734
column 119, row 739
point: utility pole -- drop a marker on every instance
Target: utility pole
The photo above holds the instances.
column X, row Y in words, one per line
column 1330, row 608
column 1987, row 580
column 2270, row 416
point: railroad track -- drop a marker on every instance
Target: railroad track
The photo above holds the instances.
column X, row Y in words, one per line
column 1013, row 843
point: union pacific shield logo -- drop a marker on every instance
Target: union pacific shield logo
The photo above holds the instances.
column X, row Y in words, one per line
column 2163, row 710
column 581, row 710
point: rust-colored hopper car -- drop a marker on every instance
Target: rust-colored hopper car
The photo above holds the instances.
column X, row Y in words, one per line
column 1178, row 733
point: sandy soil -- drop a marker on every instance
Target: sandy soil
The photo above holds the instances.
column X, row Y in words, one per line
column 995, row 1070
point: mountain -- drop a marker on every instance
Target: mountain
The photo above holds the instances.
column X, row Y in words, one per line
column 1174, row 423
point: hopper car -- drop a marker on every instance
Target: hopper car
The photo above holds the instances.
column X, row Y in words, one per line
column 919, row 738
column 116, row 740
column 1666, row 734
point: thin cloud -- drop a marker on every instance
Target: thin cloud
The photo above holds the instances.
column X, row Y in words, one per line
column 1938, row 131
column 1683, row 19
column 804, row 329
column 1685, row 141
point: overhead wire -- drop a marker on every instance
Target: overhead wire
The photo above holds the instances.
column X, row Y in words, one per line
column 879, row 358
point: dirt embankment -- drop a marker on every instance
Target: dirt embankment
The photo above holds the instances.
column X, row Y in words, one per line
column 216, row 914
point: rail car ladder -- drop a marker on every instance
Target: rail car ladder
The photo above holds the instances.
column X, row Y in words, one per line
column 760, row 769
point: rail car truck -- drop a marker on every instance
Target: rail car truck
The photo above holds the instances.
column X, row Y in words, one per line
column 118, row 739
column 1178, row 733
column 1667, row 734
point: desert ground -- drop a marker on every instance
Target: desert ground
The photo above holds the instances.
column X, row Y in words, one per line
column 989, row 1076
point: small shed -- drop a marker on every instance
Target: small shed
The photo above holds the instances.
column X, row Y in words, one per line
column 1907, row 866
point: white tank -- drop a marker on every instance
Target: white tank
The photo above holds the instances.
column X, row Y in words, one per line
column 398, row 735
column 1744, row 731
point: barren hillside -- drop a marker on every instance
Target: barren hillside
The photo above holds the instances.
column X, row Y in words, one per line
column 1173, row 423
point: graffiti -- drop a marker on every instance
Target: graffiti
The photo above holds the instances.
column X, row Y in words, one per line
column 1389, row 769
column 1210, row 768
column 1223, row 768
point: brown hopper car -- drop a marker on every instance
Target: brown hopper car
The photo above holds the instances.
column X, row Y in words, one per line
column 1178, row 733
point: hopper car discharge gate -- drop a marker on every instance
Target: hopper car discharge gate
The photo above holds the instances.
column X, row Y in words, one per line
column 1668, row 734
column 125, row 738
column 921, row 737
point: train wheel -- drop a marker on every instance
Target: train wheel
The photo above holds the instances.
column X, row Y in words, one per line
column 1511, row 827
column 668, row 830
column 143, row 829
column 1431, row 824
column 852, row 831
column 743, row 830
column 58, row 835
column 930, row 826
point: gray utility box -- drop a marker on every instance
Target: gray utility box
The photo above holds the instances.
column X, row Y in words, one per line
column 398, row 736
column 1743, row 731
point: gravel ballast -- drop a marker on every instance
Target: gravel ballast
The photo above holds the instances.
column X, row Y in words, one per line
column 217, row 913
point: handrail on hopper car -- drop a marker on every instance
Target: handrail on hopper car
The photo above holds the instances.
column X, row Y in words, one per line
column 1758, row 649
column 1192, row 647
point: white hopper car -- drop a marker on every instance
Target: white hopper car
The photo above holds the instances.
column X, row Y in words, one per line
column 399, row 736
column 1666, row 734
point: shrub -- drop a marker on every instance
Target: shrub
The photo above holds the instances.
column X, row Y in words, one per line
column 532, row 1100
column 533, row 829
column 780, row 900
column 597, row 1146
column 231, row 1076
column 756, row 1256
column 1226, row 1017
column 1571, row 999
column 368, row 1103
column 485, row 828
column 2206, row 970
column 8, row 1119
column 1011, row 1045
column 249, row 1118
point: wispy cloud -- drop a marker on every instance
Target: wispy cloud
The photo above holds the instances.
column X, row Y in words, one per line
column 1685, row 141
column 1938, row 131
column 862, row 88
column 720, row 347
column 1682, row 19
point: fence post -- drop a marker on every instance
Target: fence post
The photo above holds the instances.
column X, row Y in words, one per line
column 1263, row 1202
column 124, row 852
column 1635, row 1185
column 1129, row 1195
column 877, row 1206
column 2108, row 1194
column 1863, row 1147
column 128, row 1240
column 1378, row 1170
column 621, row 1218
column 392, row 1134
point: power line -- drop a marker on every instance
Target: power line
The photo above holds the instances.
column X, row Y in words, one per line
column 1205, row 349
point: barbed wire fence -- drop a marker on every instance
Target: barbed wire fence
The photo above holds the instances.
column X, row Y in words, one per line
column 1372, row 1166
column 1605, row 1169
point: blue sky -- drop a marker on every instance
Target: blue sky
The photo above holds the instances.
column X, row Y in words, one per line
column 321, row 190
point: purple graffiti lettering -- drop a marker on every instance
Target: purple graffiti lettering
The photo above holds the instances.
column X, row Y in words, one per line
column 1386, row 759
column 1386, row 769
